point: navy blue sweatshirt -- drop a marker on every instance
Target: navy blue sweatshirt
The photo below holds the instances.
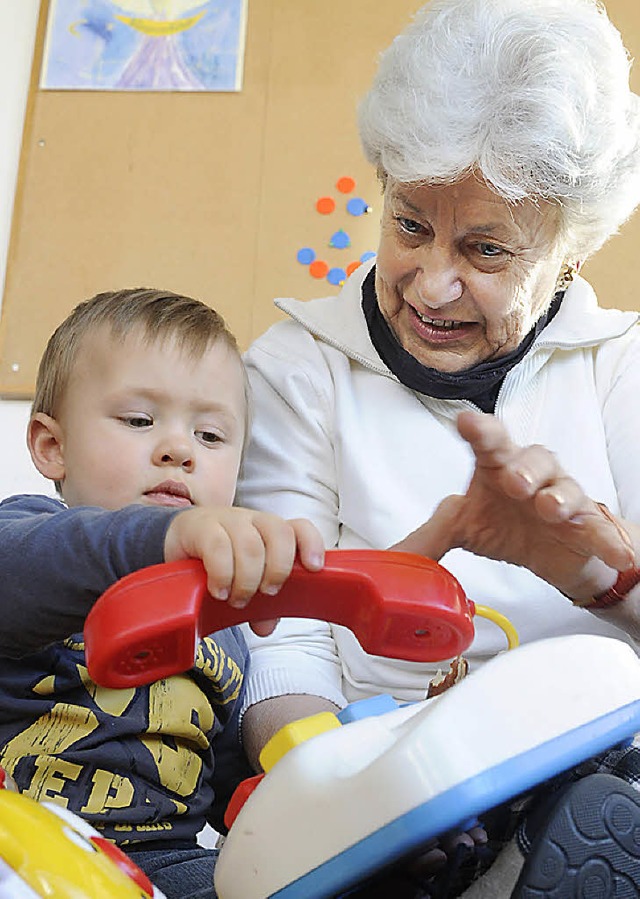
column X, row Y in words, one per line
column 146, row 764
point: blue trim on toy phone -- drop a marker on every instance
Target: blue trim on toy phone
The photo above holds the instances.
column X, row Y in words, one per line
column 367, row 708
column 492, row 787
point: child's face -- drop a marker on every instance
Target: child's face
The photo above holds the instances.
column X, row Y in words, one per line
column 145, row 423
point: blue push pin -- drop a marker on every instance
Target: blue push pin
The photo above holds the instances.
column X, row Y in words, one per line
column 367, row 255
column 337, row 276
column 357, row 206
column 340, row 240
column 305, row 256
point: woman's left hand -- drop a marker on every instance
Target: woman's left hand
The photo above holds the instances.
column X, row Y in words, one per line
column 522, row 507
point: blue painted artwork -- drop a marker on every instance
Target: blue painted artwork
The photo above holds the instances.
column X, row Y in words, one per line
column 145, row 45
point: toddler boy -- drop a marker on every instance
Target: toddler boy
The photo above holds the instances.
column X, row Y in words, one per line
column 139, row 417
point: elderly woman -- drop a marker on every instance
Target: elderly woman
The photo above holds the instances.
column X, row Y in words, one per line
column 507, row 142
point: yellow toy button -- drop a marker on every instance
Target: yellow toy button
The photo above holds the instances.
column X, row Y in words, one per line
column 295, row 733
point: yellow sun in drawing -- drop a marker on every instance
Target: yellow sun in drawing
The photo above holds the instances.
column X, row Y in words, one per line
column 159, row 18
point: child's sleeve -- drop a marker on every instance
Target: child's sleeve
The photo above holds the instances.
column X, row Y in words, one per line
column 55, row 562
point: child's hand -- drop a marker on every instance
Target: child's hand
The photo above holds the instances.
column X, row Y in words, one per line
column 243, row 551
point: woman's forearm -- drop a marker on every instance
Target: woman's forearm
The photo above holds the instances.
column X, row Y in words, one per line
column 264, row 719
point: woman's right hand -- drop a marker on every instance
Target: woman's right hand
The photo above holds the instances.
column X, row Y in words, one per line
column 522, row 507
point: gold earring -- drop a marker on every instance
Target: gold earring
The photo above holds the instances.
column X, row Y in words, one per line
column 565, row 277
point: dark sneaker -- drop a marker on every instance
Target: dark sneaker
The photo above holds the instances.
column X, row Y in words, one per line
column 587, row 846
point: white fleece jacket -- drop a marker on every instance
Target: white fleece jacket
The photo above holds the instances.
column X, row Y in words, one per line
column 337, row 439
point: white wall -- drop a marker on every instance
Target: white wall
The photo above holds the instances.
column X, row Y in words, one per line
column 18, row 20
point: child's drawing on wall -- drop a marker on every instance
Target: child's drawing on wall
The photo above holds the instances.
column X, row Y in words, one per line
column 145, row 45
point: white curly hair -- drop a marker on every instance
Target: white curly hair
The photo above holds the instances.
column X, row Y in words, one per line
column 533, row 95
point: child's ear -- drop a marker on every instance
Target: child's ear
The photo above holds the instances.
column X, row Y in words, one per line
column 44, row 439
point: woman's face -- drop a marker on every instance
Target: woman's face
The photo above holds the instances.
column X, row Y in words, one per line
column 461, row 275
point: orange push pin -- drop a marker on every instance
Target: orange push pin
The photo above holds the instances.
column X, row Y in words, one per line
column 325, row 205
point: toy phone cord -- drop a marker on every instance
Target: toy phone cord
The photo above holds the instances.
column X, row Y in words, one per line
column 502, row 621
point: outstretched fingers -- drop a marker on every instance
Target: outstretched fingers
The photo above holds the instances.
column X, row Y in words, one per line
column 521, row 471
column 487, row 437
column 553, row 505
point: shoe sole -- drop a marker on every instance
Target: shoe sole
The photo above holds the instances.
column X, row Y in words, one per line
column 590, row 846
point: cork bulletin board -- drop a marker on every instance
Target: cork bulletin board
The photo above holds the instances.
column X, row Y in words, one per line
column 213, row 194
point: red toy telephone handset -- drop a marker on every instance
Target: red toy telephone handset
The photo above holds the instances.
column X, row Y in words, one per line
column 146, row 626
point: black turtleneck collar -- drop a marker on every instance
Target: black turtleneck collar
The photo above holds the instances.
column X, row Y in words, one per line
column 480, row 384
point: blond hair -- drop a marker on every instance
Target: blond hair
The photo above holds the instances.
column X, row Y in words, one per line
column 157, row 314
